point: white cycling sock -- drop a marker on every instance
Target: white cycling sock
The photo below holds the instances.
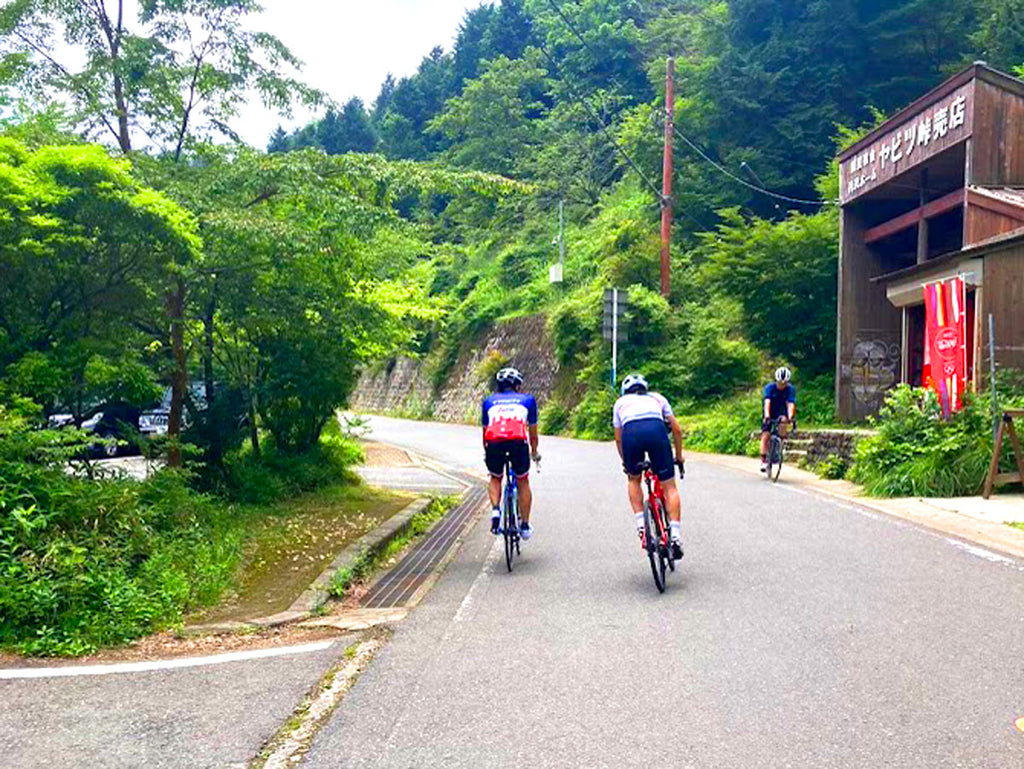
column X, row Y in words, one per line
column 676, row 529
column 495, row 513
column 639, row 521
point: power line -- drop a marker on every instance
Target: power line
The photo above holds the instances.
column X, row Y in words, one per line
column 601, row 124
column 739, row 180
column 572, row 28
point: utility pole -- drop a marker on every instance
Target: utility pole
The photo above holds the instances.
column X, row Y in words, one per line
column 666, row 184
column 557, row 272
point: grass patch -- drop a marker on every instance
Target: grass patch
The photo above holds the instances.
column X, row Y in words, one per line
column 1017, row 525
column 370, row 560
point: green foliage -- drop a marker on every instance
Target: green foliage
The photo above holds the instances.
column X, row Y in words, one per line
column 86, row 563
column 554, row 418
column 487, row 369
column 816, row 400
column 177, row 72
column 832, row 468
column 726, row 427
column 714, row 361
column 784, row 276
column 918, row 453
column 592, row 418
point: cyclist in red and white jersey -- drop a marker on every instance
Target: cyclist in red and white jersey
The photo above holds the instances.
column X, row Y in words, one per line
column 642, row 420
column 510, row 434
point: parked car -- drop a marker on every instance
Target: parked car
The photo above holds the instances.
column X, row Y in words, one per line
column 116, row 423
column 153, row 422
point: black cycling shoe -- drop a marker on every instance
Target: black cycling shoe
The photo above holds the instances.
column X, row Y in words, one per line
column 496, row 524
column 677, row 550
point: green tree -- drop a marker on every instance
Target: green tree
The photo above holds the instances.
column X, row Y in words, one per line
column 88, row 259
column 496, row 119
column 180, row 72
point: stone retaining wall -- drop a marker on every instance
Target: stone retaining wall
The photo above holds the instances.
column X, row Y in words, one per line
column 404, row 385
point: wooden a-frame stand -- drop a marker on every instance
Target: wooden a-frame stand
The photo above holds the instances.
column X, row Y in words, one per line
column 994, row 477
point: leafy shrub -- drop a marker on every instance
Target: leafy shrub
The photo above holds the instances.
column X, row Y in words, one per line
column 554, row 418
column 916, row 452
column 726, row 427
column 592, row 418
column 833, row 468
column 275, row 475
column 816, row 400
column 487, row 369
column 86, row 563
column 713, row 362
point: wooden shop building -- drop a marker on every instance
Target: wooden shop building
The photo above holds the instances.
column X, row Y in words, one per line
column 935, row 192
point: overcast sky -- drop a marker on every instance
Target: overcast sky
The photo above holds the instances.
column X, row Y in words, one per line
column 349, row 46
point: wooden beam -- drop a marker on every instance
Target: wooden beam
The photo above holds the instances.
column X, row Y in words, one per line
column 995, row 205
column 922, row 223
column 910, row 219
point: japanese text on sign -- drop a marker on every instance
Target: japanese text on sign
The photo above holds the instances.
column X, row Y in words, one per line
column 910, row 143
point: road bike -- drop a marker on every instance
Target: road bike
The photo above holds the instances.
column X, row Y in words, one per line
column 776, row 448
column 656, row 531
column 510, row 522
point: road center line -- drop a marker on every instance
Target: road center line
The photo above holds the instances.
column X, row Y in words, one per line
column 143, row 667
column 481, row 578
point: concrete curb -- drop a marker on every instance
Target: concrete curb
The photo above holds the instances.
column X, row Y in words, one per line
column 314, row 596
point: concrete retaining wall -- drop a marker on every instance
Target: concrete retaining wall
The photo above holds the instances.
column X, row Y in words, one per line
column 404, row 385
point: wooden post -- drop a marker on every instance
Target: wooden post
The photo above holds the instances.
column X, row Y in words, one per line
column 922, row 224
column 666, row 183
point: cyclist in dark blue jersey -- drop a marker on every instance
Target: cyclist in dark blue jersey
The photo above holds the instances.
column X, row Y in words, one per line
column 779, row 403
column 509, row 423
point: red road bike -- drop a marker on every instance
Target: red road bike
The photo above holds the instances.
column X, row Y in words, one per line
column 656, row 527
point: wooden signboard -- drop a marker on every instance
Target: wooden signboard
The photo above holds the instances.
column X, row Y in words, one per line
column 923, row 135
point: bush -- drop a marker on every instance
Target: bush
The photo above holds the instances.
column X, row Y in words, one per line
column 87, row 563
column 832, row 468
column 726, row 428
column 816, row 400
column 592, row 418
column 918, row 453
column 487, row 369
column 554, row 418
column 275, row 475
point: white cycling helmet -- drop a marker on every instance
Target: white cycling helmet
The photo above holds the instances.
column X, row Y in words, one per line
column 509, row 376
column 783, row 374
column 634, row 382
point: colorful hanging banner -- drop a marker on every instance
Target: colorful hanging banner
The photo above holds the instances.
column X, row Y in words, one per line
column 946, row 322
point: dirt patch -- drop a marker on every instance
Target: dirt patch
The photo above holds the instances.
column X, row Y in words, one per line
column 379, row 455
column 292, row 547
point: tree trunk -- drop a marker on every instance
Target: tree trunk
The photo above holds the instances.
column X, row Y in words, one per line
column 179, row 375
column 213, row 426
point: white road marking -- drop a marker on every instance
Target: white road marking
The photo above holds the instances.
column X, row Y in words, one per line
column 485, row 574
column 143, row 667
column 980, row 552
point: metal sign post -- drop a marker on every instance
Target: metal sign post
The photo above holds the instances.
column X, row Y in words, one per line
column 615, row 337
column 616, row 304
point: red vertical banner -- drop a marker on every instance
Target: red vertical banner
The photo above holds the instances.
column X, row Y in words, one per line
column 946, row 323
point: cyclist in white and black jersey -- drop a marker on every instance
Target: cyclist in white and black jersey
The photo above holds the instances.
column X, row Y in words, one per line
column 640, row 419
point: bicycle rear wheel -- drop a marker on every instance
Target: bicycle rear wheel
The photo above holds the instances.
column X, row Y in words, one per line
column 775, row 463
column 653, row 539
column 510, row 527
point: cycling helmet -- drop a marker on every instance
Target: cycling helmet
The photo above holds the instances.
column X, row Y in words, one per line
column 783, row 375
column 509, row 377
column 634, row 383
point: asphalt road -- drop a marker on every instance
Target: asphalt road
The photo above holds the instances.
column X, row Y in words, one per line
column 211, row 717
column 797, row 632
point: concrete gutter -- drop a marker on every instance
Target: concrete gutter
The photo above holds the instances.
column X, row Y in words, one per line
column 314, row 596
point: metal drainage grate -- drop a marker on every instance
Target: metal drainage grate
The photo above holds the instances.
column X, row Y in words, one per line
column 399, row 585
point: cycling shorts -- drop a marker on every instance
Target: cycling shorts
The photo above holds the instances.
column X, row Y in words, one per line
column 647, row 438
column 518, row 452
